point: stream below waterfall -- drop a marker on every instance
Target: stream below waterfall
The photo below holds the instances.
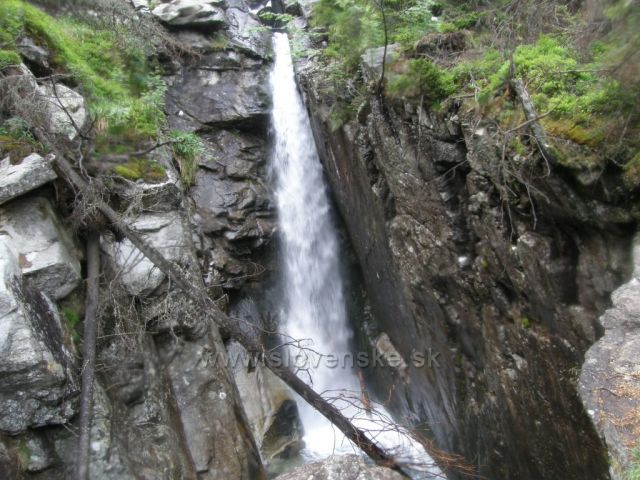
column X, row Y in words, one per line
column 313, row 310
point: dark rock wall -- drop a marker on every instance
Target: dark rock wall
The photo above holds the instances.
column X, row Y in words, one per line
column 503, row 291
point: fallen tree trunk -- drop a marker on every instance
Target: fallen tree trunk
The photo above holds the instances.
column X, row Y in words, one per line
column 532, row 119
column 197, row 294
column 88, row 354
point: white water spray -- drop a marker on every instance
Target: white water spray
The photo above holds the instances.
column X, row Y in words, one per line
column 314, row 306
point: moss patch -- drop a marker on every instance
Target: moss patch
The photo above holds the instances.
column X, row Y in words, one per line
column 8, row 58
column 109, row 66
column 631, row 172
column 141, row 169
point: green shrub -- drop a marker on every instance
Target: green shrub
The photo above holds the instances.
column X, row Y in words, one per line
column 8, row 58
column 187, row 149
column 422, row 79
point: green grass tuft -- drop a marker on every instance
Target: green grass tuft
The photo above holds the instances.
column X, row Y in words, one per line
column 187, row 149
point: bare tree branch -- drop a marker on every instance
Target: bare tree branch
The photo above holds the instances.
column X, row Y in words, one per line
column 88, row 354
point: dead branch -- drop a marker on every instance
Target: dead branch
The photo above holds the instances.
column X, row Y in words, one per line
column 532, row 116
column 88, row 354
column 209, row 308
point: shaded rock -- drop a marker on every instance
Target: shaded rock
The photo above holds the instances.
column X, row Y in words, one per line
column 66, row 110
column 20, row 178
column 235, row 153
column 293, row 8
column 271, row 410
column 609, row 382
column 218, row 196
column 107, row 454
column 137, row 273
column 41, row 454
column 45, row 252
column 230, row 97
column 10, row 467
column 140, row 5
column 503, row 288
column 214, row 424
column 341, row 467
column 246, row 31
column 191, row 13
column 37, row 383
column 35, row 55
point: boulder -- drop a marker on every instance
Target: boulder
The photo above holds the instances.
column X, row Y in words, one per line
column 17, row 179
column 211, row 416
column 37, row 381
column 65, row 109
column 140, row 5
column 271, row 410
column 45, row 252
column 341, row 467
column 609, row 382
column 191, row 13
column 138, row 274
column 35, row 55
column 246, row 30
column 203, row 96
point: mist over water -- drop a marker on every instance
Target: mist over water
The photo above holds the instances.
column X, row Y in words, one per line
column 313, row 306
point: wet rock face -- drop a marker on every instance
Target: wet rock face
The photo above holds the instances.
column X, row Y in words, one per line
column 504, row 301
column 224, row 97
column 610, row 376
column 271, row 410
column 341, row 467
column 227, row 97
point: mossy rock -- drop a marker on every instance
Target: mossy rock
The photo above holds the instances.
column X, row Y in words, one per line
column 631, row 172
column 15, row 148
column 565, row 128
column 142, row 169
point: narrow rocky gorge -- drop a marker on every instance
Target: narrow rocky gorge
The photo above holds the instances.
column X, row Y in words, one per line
column 504, row 295
column 520, row 290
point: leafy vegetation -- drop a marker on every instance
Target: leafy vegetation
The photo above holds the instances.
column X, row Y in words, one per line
column 110, row 68
column 16, row 140
column 187, row 149
column 8, row 57
column 422, row 79
column 634, row 470
column 114, row 70
column 583, row 82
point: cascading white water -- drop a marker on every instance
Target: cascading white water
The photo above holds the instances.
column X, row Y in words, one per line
column 313, row 306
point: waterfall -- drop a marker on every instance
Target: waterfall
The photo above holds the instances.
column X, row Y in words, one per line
column 313, row 307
